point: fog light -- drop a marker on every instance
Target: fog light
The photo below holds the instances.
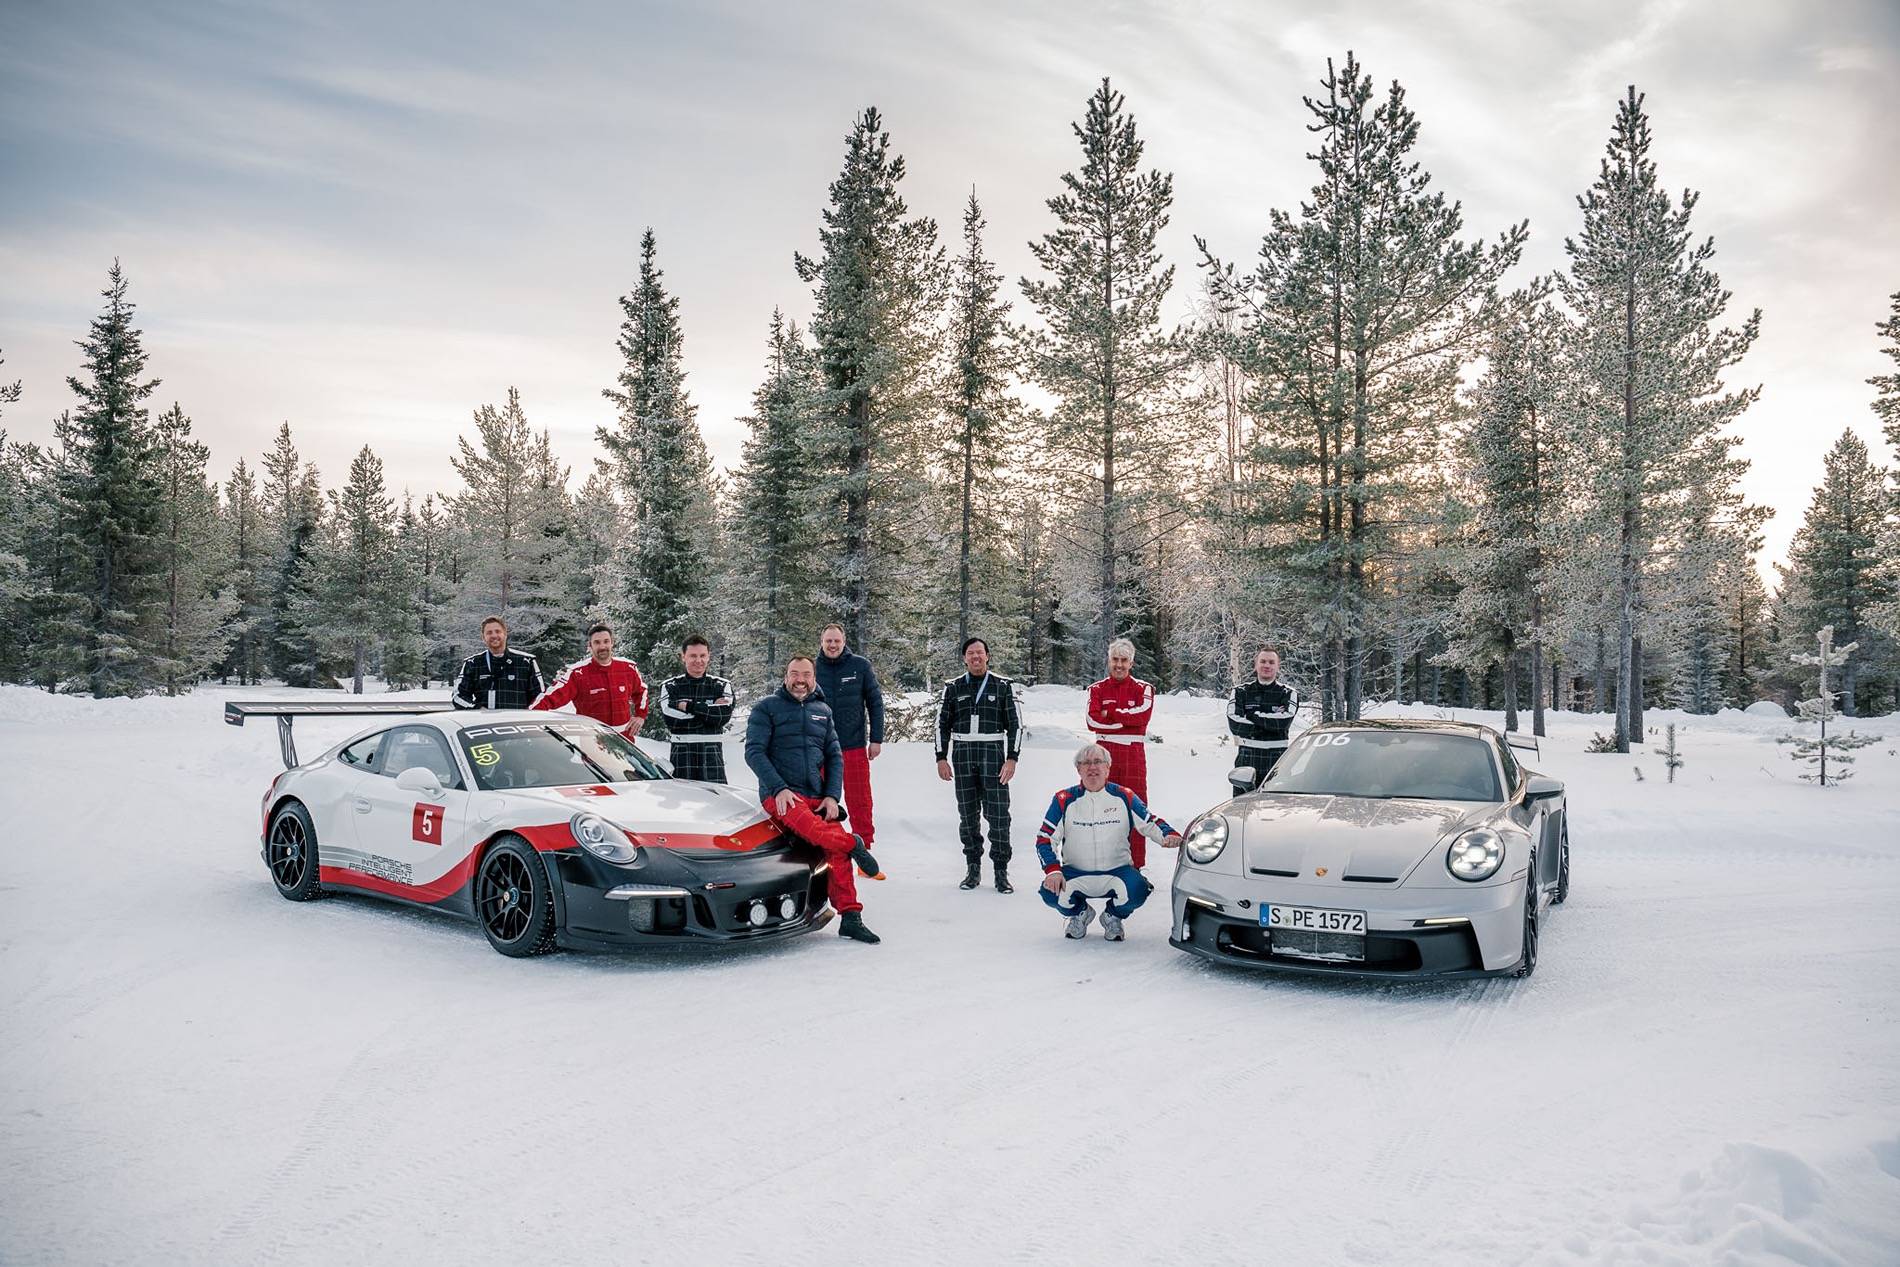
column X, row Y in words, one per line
column 756, row 913
column 787, row 906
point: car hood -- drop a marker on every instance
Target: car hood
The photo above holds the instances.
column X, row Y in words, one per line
column 1348, row 835
column 671, row 813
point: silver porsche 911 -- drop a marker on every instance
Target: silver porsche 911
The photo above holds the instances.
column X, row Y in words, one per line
column 1379, row 848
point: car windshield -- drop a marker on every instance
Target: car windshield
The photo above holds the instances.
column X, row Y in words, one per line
column 552, row 754
column 1387, row 763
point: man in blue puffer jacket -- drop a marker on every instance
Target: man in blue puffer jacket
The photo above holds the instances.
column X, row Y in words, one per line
column 791, row 745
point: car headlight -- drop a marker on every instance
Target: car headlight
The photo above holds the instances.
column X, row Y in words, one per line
column 602, row 839
column 1476, row 855
column 1206, row 838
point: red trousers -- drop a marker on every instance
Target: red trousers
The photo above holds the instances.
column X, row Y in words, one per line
column 1128, row 766
column 834, row 839
column 857, row 792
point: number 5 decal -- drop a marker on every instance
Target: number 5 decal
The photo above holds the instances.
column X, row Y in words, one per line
column 426, row 824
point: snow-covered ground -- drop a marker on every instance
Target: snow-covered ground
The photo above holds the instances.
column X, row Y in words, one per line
column 1704, row 1068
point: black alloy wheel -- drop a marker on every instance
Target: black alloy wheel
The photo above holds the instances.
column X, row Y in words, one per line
column 290, row 849
column 513, row 900
column 1528, row 963
column 1563, row 869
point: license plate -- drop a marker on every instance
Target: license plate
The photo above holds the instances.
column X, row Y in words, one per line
column 1309, row 919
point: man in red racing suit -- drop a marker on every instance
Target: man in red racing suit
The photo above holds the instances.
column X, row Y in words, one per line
column 1120, row 708
column 602, row 686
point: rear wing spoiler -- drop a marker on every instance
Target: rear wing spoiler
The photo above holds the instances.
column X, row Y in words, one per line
column 236, row 712
column 1524, row 743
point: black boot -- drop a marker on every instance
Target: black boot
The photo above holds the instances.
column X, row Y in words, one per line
column 973, row 877
column 1002, row 879
column 851, row 925
column 865, row 862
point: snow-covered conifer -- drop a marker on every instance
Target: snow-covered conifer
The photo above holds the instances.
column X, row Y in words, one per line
column 1819, row 708
column 1649, row 359
column 1355, row 324
column 198, row 602
column 293, row 512
column 1835, row 563
column 513, row 500
column 877, row 426
column 357, row 598
column 663, row 473
column 1119, row 378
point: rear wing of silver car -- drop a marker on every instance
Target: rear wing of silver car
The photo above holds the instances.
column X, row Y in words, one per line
column 1523, row 743
column 237, row 712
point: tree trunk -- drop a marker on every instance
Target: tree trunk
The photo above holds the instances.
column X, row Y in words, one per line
column 1537, row 687
column 1510, row 691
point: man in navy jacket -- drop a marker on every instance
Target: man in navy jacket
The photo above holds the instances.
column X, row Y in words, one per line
column 791, row 745
column 851, row 688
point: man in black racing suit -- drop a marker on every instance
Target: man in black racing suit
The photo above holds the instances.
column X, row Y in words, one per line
column 497, row 677
column 697, row 707
column 1260, row 715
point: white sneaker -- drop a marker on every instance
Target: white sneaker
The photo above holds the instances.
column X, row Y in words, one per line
column 1111, row 927
column 1079, row 922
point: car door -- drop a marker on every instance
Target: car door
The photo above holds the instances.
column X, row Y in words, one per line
column 333, row 792
column 412, row 837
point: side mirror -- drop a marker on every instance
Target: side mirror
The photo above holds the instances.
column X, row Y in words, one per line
column 419, row 778
column 1541, row 787
column 1243, row 779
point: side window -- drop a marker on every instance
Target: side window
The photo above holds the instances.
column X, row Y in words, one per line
column 1510, row 769
column 362, row 753
column 410, row 747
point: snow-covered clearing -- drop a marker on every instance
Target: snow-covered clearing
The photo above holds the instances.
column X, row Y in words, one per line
column 1704, row 1067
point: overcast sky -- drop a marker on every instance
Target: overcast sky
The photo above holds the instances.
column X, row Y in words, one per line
column 369, row 222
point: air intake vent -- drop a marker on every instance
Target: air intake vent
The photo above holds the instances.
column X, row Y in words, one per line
column 1290, row 875
column 1369, row 879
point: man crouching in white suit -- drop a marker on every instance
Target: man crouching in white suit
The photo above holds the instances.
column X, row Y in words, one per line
column 1083, row 845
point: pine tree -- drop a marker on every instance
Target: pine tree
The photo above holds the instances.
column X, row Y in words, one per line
column 663, row 472
column 1355, row 325
column 250, row 558
column 1650, row 359
column 985, row 416
column 1835, row 554
column 1820, row 709
column 358, row 597
column 292, row 497
column 1118, row 377
column 513, row 500
column 423, row 534
column 59, row 568
column 117, row 499
column 1499, row 608
column 771, row 561
column 872, row 432
column 198, row 602
column 1887, row 408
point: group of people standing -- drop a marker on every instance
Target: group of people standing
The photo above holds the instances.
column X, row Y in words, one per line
column 810, row 745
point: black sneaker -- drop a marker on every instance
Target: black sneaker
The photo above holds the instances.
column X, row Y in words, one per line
column 973, row 877
column 851, row 925
column 1002, row 879
column 867, row 865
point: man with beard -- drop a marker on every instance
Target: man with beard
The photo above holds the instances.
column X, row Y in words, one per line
column 497, row 677
column 792, row 748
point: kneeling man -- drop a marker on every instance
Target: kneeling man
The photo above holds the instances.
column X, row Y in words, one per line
column 792, row 747
column 1084, row 850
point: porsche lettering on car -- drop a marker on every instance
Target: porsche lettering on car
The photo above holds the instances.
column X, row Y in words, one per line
column 546, row 829
column 1379, row 848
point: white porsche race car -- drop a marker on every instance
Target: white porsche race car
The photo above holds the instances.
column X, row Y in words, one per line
column 547, row 829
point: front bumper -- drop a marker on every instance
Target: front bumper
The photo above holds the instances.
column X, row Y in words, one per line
column 1218, row 918
column 687, row 900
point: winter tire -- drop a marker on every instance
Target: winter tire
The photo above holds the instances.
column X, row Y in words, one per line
column 290, row 850
column 514, row 901
column 1527, row 964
